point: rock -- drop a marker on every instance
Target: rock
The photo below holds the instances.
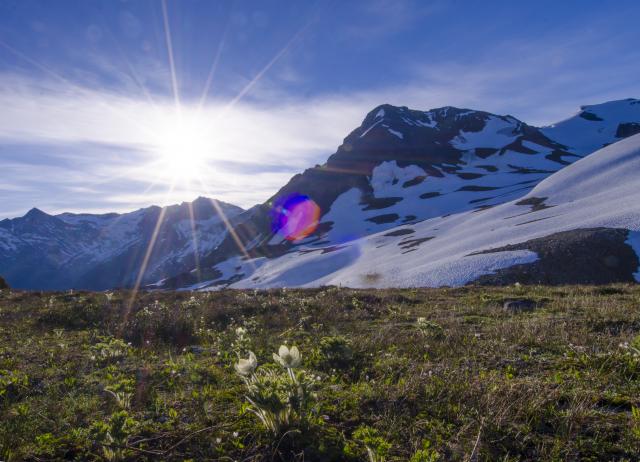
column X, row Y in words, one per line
column 578, row 256
column 196, row 349
column 519, row 305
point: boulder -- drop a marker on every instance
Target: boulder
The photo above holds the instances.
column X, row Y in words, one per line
column 520, row 305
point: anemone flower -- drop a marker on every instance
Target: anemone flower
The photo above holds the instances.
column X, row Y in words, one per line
column 245, row 367
column 288, row 358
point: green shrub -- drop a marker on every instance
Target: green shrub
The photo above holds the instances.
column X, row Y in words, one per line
column 367, row 440
column 175, row 324
column 335, row 352
column 73, row 312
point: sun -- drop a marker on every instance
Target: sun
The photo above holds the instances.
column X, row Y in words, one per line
column 184, row 145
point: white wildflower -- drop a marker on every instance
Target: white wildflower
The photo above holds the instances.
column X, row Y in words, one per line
column 245, row 367
column 288, row 358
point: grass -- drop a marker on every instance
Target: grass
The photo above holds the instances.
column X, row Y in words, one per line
column 85, row 376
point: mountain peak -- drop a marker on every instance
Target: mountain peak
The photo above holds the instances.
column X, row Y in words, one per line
column 36, row 213
column 597, row 125
column 436, row 118
column 616, row 103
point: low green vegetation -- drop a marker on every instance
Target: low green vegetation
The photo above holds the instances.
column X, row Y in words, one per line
column 321, row 375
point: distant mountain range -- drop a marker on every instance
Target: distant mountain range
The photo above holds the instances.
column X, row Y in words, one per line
column 41, row 251
column 411, row 198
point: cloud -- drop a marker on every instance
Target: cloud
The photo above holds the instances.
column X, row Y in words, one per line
column 55, row 136
column 89, row 147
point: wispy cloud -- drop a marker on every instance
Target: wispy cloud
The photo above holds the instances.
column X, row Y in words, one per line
column 100, row 145
column 382, row 18
column 61, row 135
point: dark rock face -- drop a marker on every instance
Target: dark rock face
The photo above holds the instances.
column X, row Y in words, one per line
column 628, row 129
column 581, row 256
column 590, row 116
column 3, row 284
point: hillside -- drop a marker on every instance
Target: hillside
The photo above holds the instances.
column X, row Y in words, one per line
column 548, row 222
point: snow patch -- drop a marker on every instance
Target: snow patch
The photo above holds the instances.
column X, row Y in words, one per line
column 388, row 175
column 396, row 133
column 370, row 128
column 496, row 133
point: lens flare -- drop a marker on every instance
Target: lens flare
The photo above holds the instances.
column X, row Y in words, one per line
column 295, row 217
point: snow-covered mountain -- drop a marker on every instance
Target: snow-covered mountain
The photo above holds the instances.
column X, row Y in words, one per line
column 402, row 170
column 447, row 196
column 580, row 225
column 88, row 251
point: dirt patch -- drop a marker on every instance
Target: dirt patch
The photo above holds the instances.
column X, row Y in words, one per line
column 489, row 168
column 400, row 232
column 478, row 188
column 374, row 203
column 416, row 181
column 387, row 218
column 536, row 203
column 429, row 195
column 410, row 243
column 470, row 176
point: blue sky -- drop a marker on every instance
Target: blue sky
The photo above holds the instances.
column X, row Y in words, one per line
column 92, row 91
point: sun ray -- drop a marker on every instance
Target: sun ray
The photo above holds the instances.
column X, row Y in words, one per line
column 132, row 71
column 144, row 128
column 227, row 224
column 145, row 260
column 167, row 36
column 247, row 88
column 296, row 36
column 212, row 71
column 194, row 235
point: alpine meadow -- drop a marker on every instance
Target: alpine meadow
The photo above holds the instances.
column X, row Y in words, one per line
column 323, row 231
